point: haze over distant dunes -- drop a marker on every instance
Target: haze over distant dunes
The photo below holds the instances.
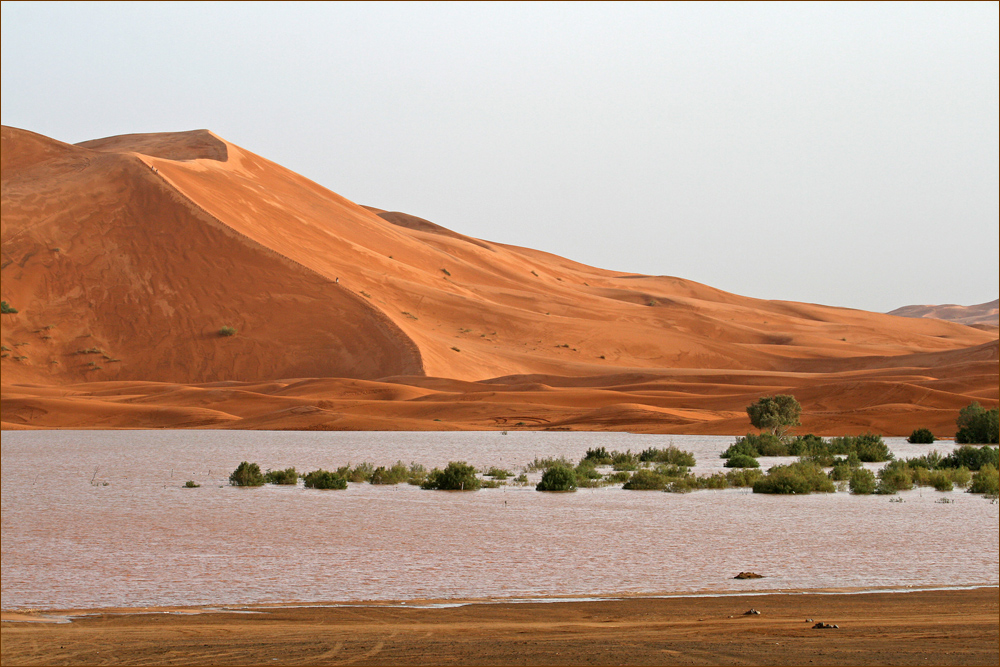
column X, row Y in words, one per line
column 125, row 256
column 983, row 313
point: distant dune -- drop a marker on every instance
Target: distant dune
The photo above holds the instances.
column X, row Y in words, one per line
column 125, row 257
column 983, row 313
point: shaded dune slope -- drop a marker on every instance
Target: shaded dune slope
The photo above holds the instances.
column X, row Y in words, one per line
column 126, row 255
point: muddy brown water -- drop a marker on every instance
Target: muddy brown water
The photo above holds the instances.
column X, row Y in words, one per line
column 101, row 519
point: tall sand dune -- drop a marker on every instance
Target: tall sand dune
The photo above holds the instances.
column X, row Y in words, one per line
column 126, row 256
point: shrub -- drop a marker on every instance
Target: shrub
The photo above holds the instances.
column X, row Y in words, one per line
column 669, row 454
column 646, row 480
column 618, row 477
column 894, row 477
column 776, row 414
column 547, row 462
column 972, row 458
column 742, row 461
column 557, row 478
column 7, row 309
column 931, row 460
column 624, row 460
column 805, row 445
column 286, row 476
column 324, row 479
column 396, row 474
column 191, row 484
column 870, row 447
column 796, row 478
column 764, row 444
column 227, row 331
column 841, row 471
column 744, row 477
column 361, row 473
column 986, row 481
column 863, row 482
column 717, row 481
column 417, row 474
column 598, row 456
column 457, row 476
column 247, row 474
column 921, row 436
column 497, row 473
column 977, row 425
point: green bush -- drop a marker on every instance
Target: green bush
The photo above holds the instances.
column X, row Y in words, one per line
column 417, row 474
column 972, row 458
column 227, row 331
column 286, row 476
column 977, row 425
column 618, row 477
column 863, row 482
column 624, row 460
column 717, row 481
column 806, row 445
column 646, row 480
column 669, row 454
column 324, row 479
column 744, row 477
column 457, row 476
column 841, row 471
column 547, row 462
column 191, row 484
column 742, row 461
column 247, row 474
column 557, row 478
column 497, row 473
column 931, row 460
column 361, row 473
column 7, row 309
column 753, row 445
column 894, row 477
column 921, row 436
column 985, row 481
column 395, row 474
column 796, row 478
column 598, row 456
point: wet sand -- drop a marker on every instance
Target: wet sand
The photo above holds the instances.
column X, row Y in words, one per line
column 954, row 627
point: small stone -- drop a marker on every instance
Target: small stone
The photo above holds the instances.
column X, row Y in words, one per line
column 751, row 612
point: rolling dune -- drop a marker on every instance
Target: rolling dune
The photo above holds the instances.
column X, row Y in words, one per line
column 125, row 257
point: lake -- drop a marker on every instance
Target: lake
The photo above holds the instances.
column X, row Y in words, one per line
column 101, row 519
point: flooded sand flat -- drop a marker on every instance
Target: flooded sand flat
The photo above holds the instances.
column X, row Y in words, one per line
column 100, row 519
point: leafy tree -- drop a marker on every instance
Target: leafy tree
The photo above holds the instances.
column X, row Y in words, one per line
column 977, row 425
column 247, row 474
column 776, row 414
column 921, row 436
column 557, row 478
column 971, row 457
column 457, row 476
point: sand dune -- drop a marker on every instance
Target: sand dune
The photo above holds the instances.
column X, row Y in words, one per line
column 125, row 257
column 982, row 314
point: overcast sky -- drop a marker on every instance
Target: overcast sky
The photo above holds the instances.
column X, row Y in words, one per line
column 844, row 154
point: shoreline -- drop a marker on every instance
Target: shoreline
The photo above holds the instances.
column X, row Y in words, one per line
column 955, row 626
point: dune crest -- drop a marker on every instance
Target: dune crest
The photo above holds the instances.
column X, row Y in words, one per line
column 127, row 256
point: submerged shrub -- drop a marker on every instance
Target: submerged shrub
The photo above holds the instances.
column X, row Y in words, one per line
column 744, row 477
column 191, row 484
column 457, row 476
column 921, row 436
column 361, row 473
column 669, row 454
column 742, row 461
column 324, row 479
column 972, row 458
column 246, row 474
column 396, row 474
column 286, row 476
column 841, row 471
column 894, row 477
column 753, row 445
column 547, row 462
column 863, row 482
column 624, row 460
column 598, row 456
column 557, row 478
column 985, row 481
column 618, row 477
column 497, row 473
column 796, row 478
column 646, row 480
column 977, row 425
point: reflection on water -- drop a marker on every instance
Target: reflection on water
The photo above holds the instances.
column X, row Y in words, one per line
column 100, row 519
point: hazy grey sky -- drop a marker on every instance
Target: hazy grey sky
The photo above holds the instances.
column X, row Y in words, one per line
column 844, row 154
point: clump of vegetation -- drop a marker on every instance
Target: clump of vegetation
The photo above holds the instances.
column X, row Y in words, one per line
column 397, row 473
column 557, row 478
column 921, row 436
column 776, row 414
column 863, row 482
column 598, row 456
column 457, row 476
column 742, row 461
column 324, row 479
column 360, row 473
column 744, row 477
column 977, row 425
column 646, row 480
column 753, row 445
column 7, row 309
column 417, row 475
column 669, row 454
column 624, row 460
column 547, row 462
column 288, row 476
column 497, row 473
column 796, row 478
column 191, row 484
column 247, row 474
column 894, row 477
column 227, row 331
column 972, row 458
column 986, row 481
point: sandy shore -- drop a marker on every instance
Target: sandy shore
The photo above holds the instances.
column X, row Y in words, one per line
column 954, row 627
